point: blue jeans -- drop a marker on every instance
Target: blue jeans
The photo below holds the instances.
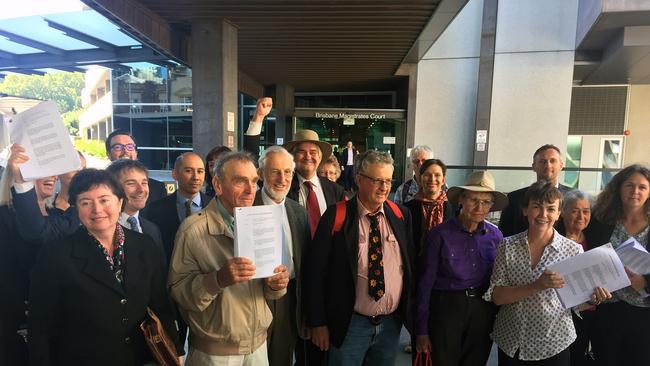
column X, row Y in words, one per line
column 377, row 343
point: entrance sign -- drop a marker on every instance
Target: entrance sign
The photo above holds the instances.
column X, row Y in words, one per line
column 389, row 140
column 348, row 121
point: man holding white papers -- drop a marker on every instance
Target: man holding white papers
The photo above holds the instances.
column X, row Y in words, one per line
column 532, row 326
column 224, row 307
column 276, row 167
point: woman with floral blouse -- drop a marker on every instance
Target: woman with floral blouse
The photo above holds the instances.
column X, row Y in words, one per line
column 532, row 326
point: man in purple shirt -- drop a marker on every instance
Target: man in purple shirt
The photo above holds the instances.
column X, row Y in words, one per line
column 452, row 321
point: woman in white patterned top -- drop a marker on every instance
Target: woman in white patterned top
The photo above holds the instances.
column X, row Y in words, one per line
column 620, row 333
column 532, row 326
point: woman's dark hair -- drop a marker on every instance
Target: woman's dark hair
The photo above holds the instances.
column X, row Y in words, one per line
column 87, row 179
column 542, row 191
column 212, row 155
column 427, row 163
column 609, row 208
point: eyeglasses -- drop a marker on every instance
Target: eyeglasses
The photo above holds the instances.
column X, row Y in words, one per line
column 484, row 203
column 378, row 182
column 122, row 147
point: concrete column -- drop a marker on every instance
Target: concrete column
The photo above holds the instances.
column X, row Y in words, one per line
column 214, row 84
column 284, row 110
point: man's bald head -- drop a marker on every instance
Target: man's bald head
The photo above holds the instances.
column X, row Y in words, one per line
column 189, row 172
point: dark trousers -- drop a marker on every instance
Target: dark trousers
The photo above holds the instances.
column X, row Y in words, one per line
column 620, row 334
column 459, row 328
column 561, row 359
column 348, row 177
column 283, row 332
column 579, row 349
column 307, row 354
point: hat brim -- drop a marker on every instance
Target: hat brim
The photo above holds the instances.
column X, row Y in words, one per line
column 325, row 148
column 500, row 199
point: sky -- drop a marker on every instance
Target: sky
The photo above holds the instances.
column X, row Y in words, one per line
column 24, row 8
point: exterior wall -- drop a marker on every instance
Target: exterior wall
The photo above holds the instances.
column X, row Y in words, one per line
column 531, row 91
column 98, row 108
column 636, row 144
column 447, row 80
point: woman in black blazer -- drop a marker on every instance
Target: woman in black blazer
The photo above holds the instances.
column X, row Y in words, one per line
column 620, row 327
column 430, row 206
column 90, row 291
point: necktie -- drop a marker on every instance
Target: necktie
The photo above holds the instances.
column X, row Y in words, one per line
column 313, row 210
column 188, row 208
column 376, row 285
column 133, row 222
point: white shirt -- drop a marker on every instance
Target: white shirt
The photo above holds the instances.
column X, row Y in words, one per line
column 124, row 216
column 538, row 326
column 287, row 248
column 350, row 158
column 318, row 189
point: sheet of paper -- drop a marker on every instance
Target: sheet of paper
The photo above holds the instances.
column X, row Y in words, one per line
column 584, row 272
column 634, row 256
column 258, row 236
column 41, row 132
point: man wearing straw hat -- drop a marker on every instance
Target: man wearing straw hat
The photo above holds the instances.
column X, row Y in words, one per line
column 452, row 321
column 313, row 192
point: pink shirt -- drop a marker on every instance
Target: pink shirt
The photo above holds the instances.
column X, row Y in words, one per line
column 393, row 272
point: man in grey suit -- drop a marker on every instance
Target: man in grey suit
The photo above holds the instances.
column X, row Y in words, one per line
column 276, row 168
column 134, row 178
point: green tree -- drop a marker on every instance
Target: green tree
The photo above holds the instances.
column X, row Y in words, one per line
column 64, row 88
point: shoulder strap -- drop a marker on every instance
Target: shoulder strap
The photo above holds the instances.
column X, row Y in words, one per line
column 395, row 208
column 339, row 218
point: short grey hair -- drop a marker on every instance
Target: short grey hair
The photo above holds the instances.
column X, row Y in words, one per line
column 421, row 149
column 240, row 156
column 575, row 195
column 181, row 157
column 371, row 157
column 275, row 150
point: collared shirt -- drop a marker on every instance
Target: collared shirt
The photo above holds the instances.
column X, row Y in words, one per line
column 454, row 259
column 412, row 191
column 116, row 262
column 124, row 216
column 228, row 219
column 393, row 271
column 318, row 189
column 287, row 249
column 538, row 326
column 180, row 205
column 628, row 294
column 350, row 157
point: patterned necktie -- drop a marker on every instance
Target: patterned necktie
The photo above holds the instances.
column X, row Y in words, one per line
column 188, row 208
column 313, row 210
column 376, row 285
column 133, row 222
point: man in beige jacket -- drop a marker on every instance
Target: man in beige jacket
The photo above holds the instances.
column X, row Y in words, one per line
column 224, row 307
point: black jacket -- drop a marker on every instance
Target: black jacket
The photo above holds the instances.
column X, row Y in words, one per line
column 163, row 213
column 80, row 315
column 415, row 207
column 157, row 190
column 330, row 270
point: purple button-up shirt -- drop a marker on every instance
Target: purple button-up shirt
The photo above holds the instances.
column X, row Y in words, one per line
column 454, row 259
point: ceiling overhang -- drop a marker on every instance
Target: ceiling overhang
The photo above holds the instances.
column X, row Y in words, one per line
column 312, row 45
column 613, row 45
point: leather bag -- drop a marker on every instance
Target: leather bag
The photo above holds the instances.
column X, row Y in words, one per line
column 161, row 346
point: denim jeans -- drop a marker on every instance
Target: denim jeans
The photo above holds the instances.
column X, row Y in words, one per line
column 377, row 343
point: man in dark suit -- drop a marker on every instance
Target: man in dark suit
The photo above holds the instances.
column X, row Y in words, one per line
column 357, row 278
column 134, row 178
column 121, row 144
column 276, row 170
column 169, row 212
column 348, row 156
column 547, row 164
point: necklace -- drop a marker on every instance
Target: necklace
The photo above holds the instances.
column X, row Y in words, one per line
column 576, row 238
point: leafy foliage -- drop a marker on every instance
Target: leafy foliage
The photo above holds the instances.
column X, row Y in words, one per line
column 92, row 147
column 64, row 88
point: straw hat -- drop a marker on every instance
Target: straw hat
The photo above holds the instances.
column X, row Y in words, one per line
column 479, row 181
column 309, row 136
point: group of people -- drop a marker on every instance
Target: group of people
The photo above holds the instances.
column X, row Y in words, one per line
column 83, row 275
